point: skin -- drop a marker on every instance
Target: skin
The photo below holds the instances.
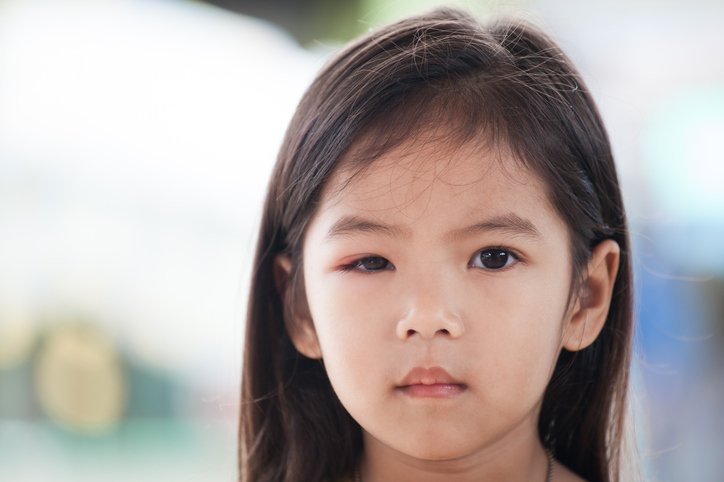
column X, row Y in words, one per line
column 422, row 297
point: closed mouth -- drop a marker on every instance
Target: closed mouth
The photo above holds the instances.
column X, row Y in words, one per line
column 433, row 382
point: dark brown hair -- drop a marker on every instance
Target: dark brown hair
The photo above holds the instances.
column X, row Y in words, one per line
column 505, row 84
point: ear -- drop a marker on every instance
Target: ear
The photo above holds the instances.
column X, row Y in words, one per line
column 593, row 300
column 297, row 319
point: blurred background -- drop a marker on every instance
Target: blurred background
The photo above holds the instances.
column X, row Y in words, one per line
column 136, row 139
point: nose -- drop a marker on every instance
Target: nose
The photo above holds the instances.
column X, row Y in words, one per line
column 430, row 313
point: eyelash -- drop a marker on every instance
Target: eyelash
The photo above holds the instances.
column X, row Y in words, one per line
column 512, row 256
column 357, row 265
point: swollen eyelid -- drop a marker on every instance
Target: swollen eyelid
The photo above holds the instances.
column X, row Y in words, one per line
column 369, row 264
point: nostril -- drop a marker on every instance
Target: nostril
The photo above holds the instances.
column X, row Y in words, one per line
column 442, row 331
column 429, row 325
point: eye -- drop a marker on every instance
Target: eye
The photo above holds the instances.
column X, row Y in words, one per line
column 493, row 259
column 369, row 264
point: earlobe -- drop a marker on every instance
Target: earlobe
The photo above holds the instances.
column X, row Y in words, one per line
column 304, row 338
column 297, row 320
column 594, row 299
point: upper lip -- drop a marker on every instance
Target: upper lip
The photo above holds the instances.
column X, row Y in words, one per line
column 428, row 376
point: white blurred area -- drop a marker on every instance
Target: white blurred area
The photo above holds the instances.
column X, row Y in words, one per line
column 136, row 140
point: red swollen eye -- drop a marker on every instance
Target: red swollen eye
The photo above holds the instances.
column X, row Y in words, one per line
column 369, row 264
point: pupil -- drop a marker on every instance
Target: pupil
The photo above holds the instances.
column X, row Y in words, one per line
column 494, row 258
column 374, row 263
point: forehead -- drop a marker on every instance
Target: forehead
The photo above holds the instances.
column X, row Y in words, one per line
column 427, row 176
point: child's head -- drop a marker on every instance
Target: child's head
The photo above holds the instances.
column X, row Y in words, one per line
column 445, row 197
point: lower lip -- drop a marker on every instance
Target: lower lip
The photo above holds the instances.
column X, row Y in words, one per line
column 439, row 390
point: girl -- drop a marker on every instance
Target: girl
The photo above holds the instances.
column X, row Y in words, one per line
column 441, row 290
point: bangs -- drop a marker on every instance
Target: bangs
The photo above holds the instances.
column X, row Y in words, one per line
column 449, row 113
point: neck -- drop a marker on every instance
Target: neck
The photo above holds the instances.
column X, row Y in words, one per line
column 515, row 458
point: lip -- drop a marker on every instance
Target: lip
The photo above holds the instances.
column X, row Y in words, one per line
column 433, row 382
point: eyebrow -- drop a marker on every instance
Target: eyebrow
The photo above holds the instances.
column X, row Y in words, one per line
column 509, row 223
column 349, row 225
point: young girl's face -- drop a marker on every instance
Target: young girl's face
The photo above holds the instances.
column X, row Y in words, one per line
column 437, row 283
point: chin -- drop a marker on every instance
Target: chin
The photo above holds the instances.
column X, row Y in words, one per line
column 435, row 448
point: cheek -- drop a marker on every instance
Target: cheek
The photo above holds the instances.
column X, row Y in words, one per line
column 518, row 333
column 352, row 317
column 533, row 315
column 352, row 320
